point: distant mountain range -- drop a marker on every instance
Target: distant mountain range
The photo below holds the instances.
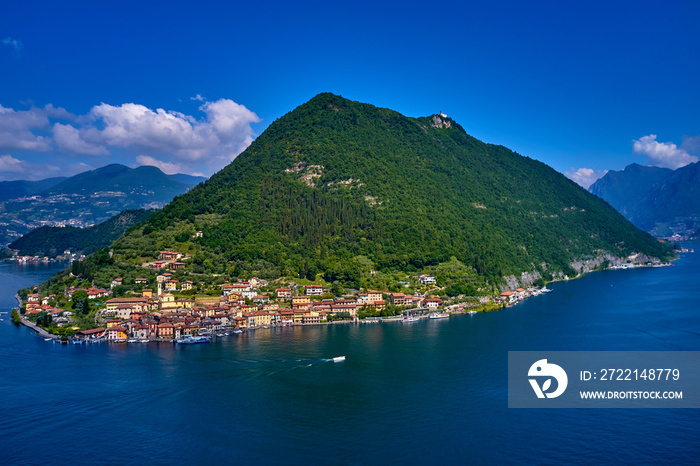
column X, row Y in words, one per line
column 661, row 201
column 22, row 188
column 85, row 199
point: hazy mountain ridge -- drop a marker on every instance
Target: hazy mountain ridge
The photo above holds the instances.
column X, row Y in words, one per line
column 21, row 188
column 658, row 200
column 87, row 198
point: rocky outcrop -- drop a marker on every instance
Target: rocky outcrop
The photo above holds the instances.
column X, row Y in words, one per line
column 440, row 122
column 526, row 279
column 581, row 266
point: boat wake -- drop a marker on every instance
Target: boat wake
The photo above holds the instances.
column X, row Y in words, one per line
column 286, row 366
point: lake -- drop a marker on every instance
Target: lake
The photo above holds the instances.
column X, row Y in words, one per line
column 431, row 392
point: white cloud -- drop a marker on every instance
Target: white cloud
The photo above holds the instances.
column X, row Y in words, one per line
column 15, row 44
column 68, row 139
column 198, row 98
column 133, row 125
column 12, row 168
column 225, row 131
column 166, row 137
column 584, row 177
column 231, row 123
column 172, row 141
column 16, row 128
column 12, row 165
column 166, row 167
column 663, row 154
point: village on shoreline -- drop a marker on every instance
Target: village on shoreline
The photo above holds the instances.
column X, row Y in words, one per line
column 168, row 310
column 160, row 312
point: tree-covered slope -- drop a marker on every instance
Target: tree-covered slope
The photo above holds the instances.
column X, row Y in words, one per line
column 337, row 187
column 53, row 241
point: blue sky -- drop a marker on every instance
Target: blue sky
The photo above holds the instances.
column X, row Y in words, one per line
column 187, row 85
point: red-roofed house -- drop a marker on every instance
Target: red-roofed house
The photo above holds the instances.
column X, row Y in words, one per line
column 165, row 330
column 169, row 255
column 399, row 299
column 432, row 303
column 116, row 333
column 314, row 290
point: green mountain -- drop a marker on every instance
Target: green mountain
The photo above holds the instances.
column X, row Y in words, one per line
column 53, row 241
column 146, row 181
column 339, row 188
column 658, row 200
column 87, row 198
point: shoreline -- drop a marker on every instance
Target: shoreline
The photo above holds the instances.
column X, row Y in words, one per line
column 42, row 333
column 466, row 309
column 23, row 321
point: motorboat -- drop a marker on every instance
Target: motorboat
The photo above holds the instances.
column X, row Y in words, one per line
column 191, row 340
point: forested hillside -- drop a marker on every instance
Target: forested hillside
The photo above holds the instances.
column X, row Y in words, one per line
column 339, row 188
column 53, row 241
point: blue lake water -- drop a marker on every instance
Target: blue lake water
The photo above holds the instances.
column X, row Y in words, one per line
column 429, row 392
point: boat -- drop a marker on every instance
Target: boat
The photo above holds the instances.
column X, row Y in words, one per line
column 238, row 331
column 132, row 340
column 545, row 290
column 339, row 359
column 191, row 340
column 48, row 339
column 471, row 313
column 409, row 319
column 435, row 315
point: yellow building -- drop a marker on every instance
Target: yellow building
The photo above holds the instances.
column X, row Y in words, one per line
column 167, row 301
column 257, row 318
column 113, row 303
column 301, row 302
column 299, row 314
column 312, row 317
column 116, row 333
column 184, row 303
column 187, row 285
